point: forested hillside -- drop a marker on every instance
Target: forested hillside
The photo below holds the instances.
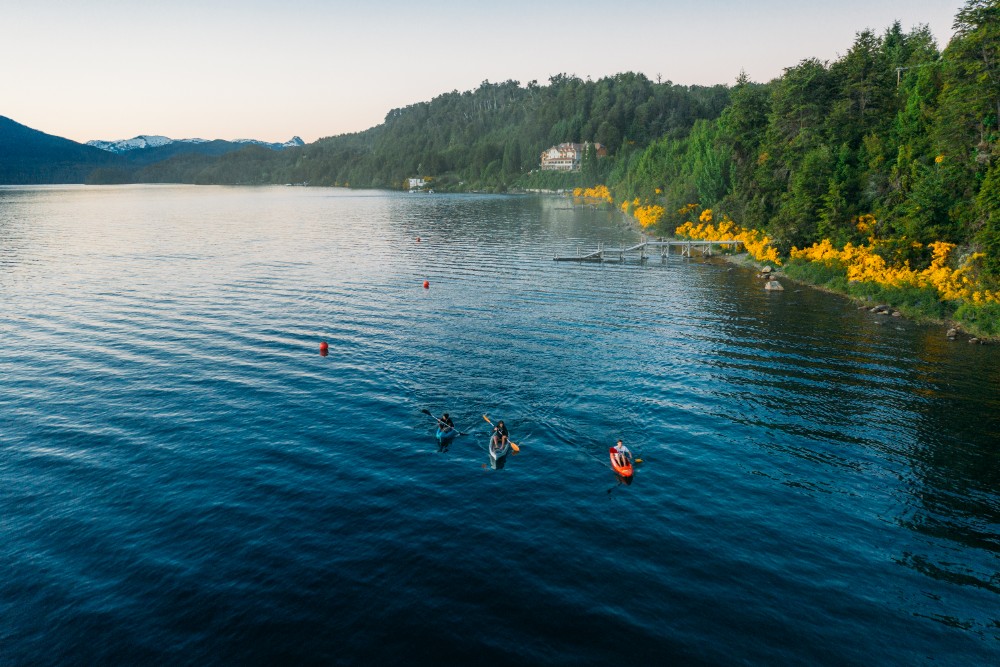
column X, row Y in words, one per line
column 28, row 156
column 488, row 138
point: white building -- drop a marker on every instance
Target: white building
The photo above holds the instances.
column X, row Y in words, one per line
column 567, row 157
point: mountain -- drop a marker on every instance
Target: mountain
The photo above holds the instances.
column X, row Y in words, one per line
column 291, row 143
column 30, row 156
column 135, row 143
column 149, row 149
column 149, row 141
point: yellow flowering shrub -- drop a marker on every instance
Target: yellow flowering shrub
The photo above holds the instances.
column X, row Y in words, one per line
column 757, row 243
column 864, row 264
column 649, row 214
column 866, row 224
column 596, row 192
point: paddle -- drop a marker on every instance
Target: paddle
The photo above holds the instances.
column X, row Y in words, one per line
column 509, row 441
column 440, row 423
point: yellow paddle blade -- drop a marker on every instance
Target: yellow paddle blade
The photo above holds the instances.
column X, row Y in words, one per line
column 513, row 446
column 487, row 420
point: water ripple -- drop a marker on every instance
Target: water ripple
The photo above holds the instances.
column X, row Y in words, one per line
column 186, row 479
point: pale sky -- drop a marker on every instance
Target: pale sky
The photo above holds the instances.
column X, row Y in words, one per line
column 226, row 69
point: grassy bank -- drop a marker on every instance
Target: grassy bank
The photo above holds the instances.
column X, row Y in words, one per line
column 917, row 303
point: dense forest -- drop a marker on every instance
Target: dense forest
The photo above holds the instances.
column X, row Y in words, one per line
column 893, row 149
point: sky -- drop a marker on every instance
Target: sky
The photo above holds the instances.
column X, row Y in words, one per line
column 269, row 70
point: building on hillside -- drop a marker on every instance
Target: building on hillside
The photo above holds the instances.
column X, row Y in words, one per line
column 568, row 157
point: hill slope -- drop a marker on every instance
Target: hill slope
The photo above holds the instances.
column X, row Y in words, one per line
column 29, row 156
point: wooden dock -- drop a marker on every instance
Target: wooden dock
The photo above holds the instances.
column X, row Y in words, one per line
column 662, row 247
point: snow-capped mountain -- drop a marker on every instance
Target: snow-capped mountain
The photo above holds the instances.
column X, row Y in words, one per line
column 145, row 141
column 294, row 141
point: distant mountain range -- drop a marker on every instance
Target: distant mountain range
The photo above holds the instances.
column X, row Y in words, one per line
column 28, row 156
column 146, row 141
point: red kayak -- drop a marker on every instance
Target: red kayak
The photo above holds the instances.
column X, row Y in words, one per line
column 623, row 470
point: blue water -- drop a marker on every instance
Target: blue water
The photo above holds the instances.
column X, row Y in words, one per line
column 184, row 479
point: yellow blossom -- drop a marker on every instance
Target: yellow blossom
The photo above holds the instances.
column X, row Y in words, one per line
column 596, row 192
column 864, row 264
column 757, row 243
column 648, row 215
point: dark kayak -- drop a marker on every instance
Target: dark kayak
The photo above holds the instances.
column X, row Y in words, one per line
column 444, row 437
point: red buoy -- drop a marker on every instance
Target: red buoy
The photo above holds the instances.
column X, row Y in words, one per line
column 324, row 349
column 427, row 284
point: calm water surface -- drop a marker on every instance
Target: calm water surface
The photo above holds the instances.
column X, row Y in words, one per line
column 184, row 479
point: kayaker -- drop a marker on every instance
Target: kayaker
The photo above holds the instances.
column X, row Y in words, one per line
column 445, row 423
column 622, row 453
column 499, row 439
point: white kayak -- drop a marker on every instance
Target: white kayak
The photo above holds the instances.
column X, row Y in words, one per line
column 498, row 454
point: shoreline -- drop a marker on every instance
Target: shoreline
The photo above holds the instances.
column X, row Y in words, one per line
column 954, row 330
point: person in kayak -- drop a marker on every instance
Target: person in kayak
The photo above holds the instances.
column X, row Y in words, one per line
column 622, row 454
column 445, row 424
column 499, row 439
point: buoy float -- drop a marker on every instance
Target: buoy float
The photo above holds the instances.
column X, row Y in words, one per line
column 427, row 284
column 324, row 349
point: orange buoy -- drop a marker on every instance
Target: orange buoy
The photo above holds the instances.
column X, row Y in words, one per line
column 324, row 349
column 427, row 284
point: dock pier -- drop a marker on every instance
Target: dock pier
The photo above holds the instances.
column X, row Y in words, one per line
column 603, row 254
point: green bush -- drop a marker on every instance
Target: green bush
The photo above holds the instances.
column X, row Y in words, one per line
column 983, row 319
column 915, row 302
column 832, row 275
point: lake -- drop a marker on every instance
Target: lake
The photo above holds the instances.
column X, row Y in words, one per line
column 187, row 480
